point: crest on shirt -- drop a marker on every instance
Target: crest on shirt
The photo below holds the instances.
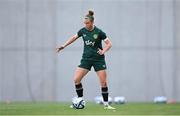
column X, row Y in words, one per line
column 95, row 36
column 84, row 35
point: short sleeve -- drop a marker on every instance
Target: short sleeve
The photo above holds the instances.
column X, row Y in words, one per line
column 102, row 35
column 79, row 33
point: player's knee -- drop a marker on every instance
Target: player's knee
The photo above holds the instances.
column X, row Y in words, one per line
column 104, row 83
column 77, row 81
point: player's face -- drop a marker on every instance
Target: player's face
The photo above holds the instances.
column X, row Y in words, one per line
column 88, row 23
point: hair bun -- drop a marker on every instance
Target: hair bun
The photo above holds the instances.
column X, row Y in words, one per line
column 91, row 12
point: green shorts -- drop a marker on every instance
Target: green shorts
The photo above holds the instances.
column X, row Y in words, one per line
column 98, row 65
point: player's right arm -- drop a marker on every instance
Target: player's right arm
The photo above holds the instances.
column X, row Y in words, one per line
column 68, row 42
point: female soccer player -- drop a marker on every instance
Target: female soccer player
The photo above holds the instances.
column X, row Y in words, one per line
column 93, row 56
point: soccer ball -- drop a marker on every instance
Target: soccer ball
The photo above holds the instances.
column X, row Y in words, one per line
column 160, row 99
column 78, row 103
column 119, row 100
column 99, row 100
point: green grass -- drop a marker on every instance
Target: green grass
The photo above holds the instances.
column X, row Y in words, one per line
column 91, row 109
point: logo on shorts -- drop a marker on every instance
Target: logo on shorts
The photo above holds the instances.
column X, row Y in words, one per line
column 104, row 66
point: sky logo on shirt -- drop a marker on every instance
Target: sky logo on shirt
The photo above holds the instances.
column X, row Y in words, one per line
column 89, row 43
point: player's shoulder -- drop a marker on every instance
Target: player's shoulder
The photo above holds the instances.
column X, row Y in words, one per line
column 82, row 29
column 99, row 29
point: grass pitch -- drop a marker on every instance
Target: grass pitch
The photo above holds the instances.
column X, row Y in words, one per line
column 90, row 109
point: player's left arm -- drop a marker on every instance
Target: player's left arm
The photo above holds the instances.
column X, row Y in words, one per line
column 108, row 45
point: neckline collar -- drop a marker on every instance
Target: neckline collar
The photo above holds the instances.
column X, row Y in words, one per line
column 91, row 29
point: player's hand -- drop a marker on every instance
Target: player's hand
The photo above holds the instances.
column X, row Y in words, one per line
column 100, row 52
column 58, row 49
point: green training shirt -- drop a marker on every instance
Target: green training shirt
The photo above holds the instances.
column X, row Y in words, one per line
column 92, row 41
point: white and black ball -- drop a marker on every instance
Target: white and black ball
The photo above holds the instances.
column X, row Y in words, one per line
column 78, row 103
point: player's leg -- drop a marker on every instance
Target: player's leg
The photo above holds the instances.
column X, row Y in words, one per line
column 81, row 71
column 104, row 88
column 100, row 68
column 78, row 76
column 103, row 82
